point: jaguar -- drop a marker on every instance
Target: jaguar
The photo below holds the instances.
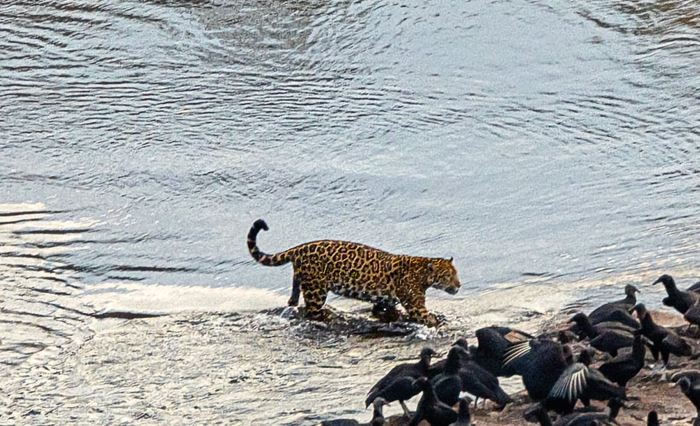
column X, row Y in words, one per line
column 360, row 272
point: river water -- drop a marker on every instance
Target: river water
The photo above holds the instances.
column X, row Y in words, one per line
column 554, row 141
column 545, row 145
column 523, row 138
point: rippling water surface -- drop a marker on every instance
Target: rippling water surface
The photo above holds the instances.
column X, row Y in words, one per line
column 548, row 142
column 525, row 138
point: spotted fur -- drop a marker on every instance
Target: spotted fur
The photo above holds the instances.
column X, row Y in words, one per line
column 359, row 272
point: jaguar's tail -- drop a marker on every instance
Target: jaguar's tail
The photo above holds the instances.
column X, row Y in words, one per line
column 265, row 259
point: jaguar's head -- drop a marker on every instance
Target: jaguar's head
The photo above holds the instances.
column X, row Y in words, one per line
column 444, row 276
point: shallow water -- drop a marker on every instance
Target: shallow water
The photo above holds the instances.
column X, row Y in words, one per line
column 553, row 143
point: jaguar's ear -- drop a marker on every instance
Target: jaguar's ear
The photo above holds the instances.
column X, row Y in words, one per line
column 451, row 259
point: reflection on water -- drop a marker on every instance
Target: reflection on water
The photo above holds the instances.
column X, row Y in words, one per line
column 37, row 310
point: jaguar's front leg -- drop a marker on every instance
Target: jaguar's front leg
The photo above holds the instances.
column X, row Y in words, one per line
column 416, row 310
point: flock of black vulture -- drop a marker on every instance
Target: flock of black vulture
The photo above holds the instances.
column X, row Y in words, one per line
column 554, row 377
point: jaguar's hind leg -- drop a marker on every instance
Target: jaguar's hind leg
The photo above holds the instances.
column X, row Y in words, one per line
column 315, row 293
column 296, row 292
